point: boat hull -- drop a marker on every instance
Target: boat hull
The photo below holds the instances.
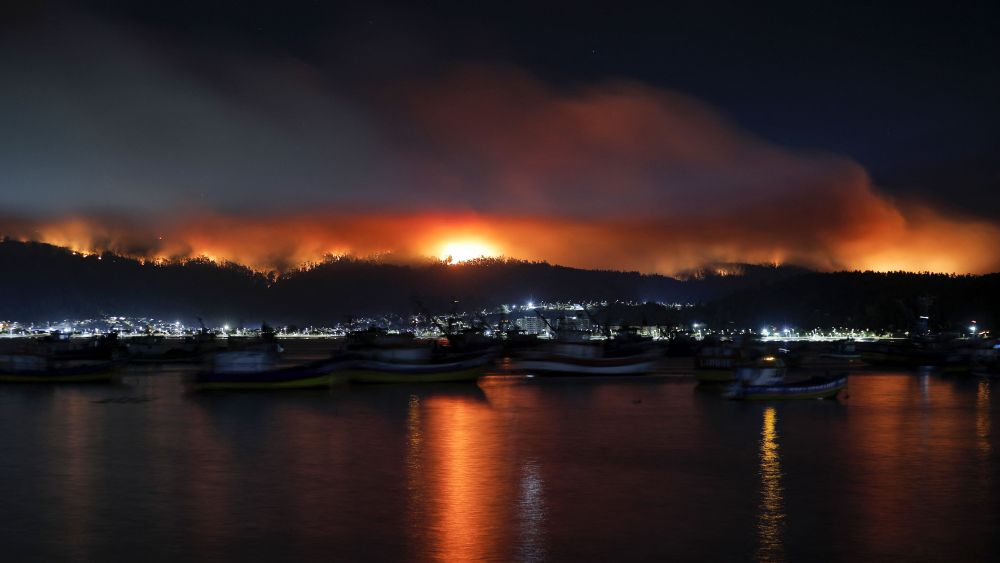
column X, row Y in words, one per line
column 557, row 367
column 361, row 375
column 461, row 368
column 31, row 369
column 317, row 382
column 178, row 357
column 714, row 375
column 310, row 376
column 825, row 390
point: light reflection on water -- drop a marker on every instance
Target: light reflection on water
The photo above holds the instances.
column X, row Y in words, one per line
column 77, row 473
column 414, row 471
column 211, row 460
column 510, row 470
column 531, row 511
column 771, row 521
column 983, row 424
column 983, row 418
column 465, row 478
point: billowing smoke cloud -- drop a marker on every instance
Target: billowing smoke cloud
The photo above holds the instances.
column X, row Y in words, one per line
column 273, row 163
column 105, row 116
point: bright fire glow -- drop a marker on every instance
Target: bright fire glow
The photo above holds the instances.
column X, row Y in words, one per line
column 771, row 517
column 455, row 252
column 284, row 242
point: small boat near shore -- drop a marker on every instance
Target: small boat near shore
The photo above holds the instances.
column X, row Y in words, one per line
column 247, row 370
column 17, row 368
column 765, row 381
column 813, row 388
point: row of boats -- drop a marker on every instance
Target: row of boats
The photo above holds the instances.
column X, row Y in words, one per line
column 377, row 358
column 399, row 360
column 757, row 371
column 744, row 371
column 365, row 357
column 975, row 356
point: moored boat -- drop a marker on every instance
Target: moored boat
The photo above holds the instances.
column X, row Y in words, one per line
column 426, row 369
column 576, row 352
column 844, row 357
column 22, row 368
column 63, row 347
column 562, row 364
column 249, row 370
column 765, row 380
column 765, row 370
column 974, row 357
column 168, row 349
column 716, row 364
column 912, row 353
column 814, row 388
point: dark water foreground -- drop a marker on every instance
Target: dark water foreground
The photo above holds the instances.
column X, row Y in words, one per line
column 905, row 469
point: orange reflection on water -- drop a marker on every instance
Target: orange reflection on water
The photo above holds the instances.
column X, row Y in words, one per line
column 771, row 520
column 983, row 418
column 884, row 437
column 898, row 423
column 983, row 422
column 457, row 477
column 314, row 445
column 414, row 468
column 213, row 490
column 79, row 441
column 462, row 519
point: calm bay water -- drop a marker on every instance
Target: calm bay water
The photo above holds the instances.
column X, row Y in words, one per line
column 511, row 469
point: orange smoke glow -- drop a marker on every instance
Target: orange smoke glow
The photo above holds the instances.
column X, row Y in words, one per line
column 887, row 239
column 617, row 175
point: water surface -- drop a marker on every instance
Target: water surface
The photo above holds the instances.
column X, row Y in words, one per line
column 511, row 469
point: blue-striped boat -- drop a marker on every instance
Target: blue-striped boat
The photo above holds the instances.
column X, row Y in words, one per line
column 815, row 388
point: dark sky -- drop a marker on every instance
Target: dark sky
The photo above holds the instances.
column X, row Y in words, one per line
column 908, row 89
column 245, row 106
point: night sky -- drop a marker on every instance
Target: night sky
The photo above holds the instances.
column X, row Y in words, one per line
column 848, row 135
